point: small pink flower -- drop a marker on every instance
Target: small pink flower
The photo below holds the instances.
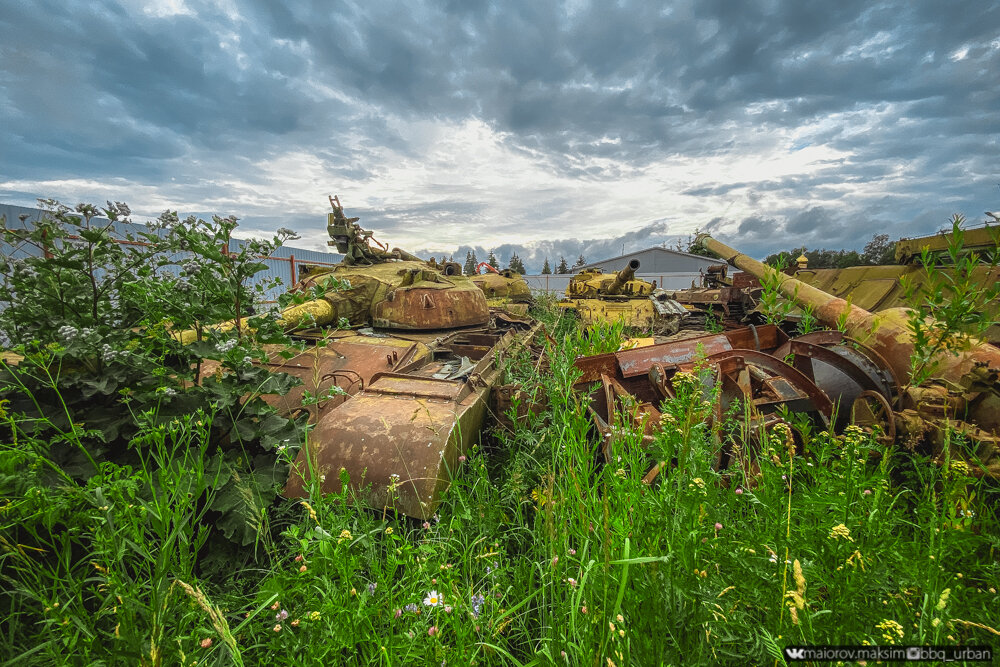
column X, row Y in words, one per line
column 433, row 630
column 739, row 491
column 704, row 540
column 427, row 525
column 583, row 609
column 281, row 615
column 572, row 552
column 784, row 477
column 398, row 613
column 555, row 559
column 277, row 628
column 868, row 492
column 572, row 582
column 718, row 526
column 298, row 559
column 303, row 568
column 206, row 642
column 461, row 459
column 447, row 609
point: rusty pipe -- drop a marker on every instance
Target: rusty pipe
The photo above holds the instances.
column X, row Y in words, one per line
column 887, row 331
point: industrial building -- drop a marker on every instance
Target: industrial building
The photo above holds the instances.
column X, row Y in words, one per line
column 671, row 269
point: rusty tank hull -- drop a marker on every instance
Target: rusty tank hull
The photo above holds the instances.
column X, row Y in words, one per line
column 401, row 356
column 412, row 405
column 878, row 288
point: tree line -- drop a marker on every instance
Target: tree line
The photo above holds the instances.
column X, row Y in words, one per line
column 515, row 264
column 879, row 251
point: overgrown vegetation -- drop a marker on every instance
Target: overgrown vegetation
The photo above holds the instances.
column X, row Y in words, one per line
column 540, row 553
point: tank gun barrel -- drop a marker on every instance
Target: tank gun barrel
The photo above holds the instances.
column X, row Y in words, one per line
column 887, row 332
column 623, row 276
column 315, row 313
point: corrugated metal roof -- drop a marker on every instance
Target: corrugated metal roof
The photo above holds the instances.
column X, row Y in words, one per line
column 616, row 263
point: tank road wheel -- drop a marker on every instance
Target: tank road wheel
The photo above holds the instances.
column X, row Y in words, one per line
column 870, row 410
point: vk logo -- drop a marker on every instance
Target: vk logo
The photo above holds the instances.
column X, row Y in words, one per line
column 795, row 653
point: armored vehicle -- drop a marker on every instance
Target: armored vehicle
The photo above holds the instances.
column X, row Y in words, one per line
column 962, row 395
column 877, row 288
column 503, row 288
column 402, row 358
column 621, row 297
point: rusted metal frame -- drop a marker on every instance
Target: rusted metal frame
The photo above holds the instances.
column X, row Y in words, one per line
column 842, row 364
column 419, row 387
column 888, row 421
column 798, row 380
column 830, row 338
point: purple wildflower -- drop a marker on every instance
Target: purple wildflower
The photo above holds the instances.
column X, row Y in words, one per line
column 477, row 605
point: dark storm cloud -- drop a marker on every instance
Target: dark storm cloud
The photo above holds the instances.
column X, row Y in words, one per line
column 904, row 91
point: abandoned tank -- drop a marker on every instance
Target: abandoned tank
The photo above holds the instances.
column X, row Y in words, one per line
column 878, row 288
column 401, row 356
column 596, row 296
column 504, row 288
column 961, row 395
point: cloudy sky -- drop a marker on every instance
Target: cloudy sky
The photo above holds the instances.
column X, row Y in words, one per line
column 552, row 127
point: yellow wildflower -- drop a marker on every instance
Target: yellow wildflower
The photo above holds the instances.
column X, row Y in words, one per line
column 943, row 600
column 854, row 560
column 891, row 630
column 841, row 531
column 312, row 512
column 344, row 535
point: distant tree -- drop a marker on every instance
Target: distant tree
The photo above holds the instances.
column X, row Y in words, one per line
column 492, row 260
column 562, row 267
column 451, row 258
column 879, row 251
column 695, row 248
column 515, row 264
column 546, row 269
column 470, row 263
column 580, row 261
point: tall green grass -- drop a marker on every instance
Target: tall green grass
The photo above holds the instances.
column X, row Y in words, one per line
column 540, row 553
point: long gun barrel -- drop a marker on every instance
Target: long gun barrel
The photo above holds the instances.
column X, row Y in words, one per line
column 886, row 332
column 623, row 276
column 315, row 313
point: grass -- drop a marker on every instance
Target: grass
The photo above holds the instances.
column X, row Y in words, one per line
column 540, row 554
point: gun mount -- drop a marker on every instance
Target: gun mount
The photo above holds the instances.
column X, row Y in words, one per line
column 965, row 392
column 356, row 243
